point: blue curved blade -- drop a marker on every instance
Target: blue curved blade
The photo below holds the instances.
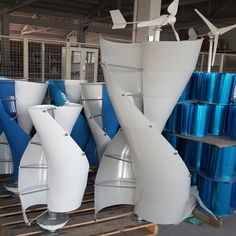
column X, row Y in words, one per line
column 16, row 137
column 7, row 95
column 58, row 96
column 110, row 121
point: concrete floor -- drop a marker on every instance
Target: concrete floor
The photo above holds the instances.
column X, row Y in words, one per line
column 228, row 228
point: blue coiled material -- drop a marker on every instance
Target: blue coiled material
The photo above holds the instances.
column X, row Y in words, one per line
column 209, row 86
column 198, row 120
column 173, row 122
column 233, row 196
column 224, row 87
column 195, row 86
column 194, row 178
column 184, row 118
column 109, row 119
column 184, row 95
column 216, row 196
column 192, row 152
column 217, row 119
column 219, row 163
column 172, row 139
column 230, row 131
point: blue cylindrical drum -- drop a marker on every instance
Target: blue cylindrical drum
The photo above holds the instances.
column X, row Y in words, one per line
column 172, row 139
column 198, row 120
column 194, row 178
column 217, row 119
column 230, row 130
column 195, row 86
column 184, row 118
column 221, row 163
column 216, row 196
column 192, row 153
column 209, row 85
column 172, row 120
column 223, row 90
column 233, row 196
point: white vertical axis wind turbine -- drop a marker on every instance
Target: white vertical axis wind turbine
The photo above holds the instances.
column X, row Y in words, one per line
column 214, row 34
column 119, row 21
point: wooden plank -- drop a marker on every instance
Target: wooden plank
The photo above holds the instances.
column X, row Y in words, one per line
column 208, row 218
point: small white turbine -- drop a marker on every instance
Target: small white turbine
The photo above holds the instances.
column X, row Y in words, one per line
column 119, row 21
column 214, row 35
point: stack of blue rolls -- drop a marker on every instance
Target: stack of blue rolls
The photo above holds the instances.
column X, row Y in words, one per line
column 207, row 107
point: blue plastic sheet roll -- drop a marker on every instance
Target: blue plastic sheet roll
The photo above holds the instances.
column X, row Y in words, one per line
column 217, row 119
column 184, row 117
column 192, row 152
column 205, row 190
column 230, row 130
column 199, row 120
column 195, row 86
column 194, row 178
column 216, row 196
column 184, row 95
column 224, row 87
column 219, row 164
column 233, row 196
column 209, row 86
column 172, row 139
column 172, row 122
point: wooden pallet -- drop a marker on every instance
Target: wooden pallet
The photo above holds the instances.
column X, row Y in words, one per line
column 215, row 222
column 111, row 221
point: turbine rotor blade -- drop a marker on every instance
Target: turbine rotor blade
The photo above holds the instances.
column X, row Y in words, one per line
column 215, row 49
column 175, row 32
column 212, row 28
column 173, row 7
column 192, row 34
column 226, row 29
column 156, row 22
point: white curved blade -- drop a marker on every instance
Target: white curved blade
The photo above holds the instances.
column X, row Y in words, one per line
column 212, row 28
column 175, row 32
column 226, row 29
column 215, row 48
column 173, row 7
column 118, row 20
column 156, row 22
column 192, row 35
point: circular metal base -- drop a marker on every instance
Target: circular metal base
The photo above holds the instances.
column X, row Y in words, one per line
column 12, row 186
column 137, row 218
column 52, row 221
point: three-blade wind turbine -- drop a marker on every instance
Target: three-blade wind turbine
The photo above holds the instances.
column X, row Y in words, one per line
column 119, row 21
column 214, row 34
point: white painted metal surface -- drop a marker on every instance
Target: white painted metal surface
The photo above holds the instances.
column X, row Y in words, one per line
column 54, row 163
column 28, row 94
column 5, row 156
column 74, row 90
column 115, row 180
column 162, row 179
